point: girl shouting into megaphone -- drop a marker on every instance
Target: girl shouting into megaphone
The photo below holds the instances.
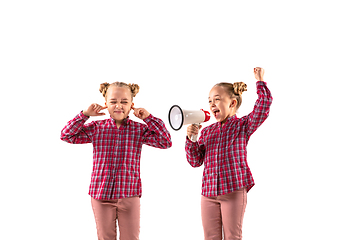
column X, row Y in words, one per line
column 222, row 149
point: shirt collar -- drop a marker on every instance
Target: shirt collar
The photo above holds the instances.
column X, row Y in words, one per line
column 228, row 121
column 124, row 123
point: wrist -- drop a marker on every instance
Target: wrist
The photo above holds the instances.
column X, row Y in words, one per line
column 85, row 114
column 148, row 115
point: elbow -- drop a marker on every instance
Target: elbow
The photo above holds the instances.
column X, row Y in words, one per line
column 270, row 99
column 65, row 138
column 166, row 144
column 194, row 164
column 194, row 161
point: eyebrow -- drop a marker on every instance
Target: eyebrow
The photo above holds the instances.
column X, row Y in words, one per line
column 115, row 99
column 217, row 95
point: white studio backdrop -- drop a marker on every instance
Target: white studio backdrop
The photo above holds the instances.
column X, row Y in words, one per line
column 55, row 54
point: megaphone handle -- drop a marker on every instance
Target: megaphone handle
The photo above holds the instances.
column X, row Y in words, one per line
column 194, row 137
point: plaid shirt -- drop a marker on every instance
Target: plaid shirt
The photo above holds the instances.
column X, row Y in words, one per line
column 222, row 149
column 116, row 152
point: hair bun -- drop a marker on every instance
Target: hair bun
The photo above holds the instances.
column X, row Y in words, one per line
column 103, row 88
column 134, row 88
column 239, row 88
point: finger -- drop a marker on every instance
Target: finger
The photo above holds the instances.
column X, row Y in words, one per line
column 194, row 130
column 105, row 107
column 192, row 133
column 196, row 126
column 98, row 108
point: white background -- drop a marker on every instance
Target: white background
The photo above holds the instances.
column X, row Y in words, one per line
column 55, row 54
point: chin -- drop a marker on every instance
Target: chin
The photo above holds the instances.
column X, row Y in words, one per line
column 119, row 118
column 219, row 119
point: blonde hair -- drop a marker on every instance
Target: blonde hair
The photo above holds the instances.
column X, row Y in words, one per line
column 234, row 90
column 104, row 87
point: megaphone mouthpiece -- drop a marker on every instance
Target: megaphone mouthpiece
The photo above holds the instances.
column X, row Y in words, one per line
column 207, row 115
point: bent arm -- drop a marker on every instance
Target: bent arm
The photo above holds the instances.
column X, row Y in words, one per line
column 76, row 132
column 156, row 134
column 195, row 152
column 261, row 109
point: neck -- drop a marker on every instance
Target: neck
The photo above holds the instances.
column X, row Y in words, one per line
column 118, row 123
column 224, row 121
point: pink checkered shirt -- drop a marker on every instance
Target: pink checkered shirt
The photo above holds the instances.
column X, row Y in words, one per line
column 222, row 149
column 116, row 152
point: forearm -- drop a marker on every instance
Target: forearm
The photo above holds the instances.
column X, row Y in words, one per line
column 73, row 132
column 157, row 135
column 194, row 154
column 261, row 108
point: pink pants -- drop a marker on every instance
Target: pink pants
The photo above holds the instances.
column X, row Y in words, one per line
column 125, row 210
column 224, row 212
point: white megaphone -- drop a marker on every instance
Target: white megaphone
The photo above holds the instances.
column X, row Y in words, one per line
column 179, row 117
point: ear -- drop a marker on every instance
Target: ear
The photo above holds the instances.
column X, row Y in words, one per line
column 132, row 106
column 106, row 105
column 233, row 103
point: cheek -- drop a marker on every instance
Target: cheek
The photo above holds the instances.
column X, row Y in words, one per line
column 224, row 108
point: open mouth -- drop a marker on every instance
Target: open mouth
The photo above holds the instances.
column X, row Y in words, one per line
column 216, row 112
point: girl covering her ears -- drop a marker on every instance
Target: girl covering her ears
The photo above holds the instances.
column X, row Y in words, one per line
column 115, row 187
column 222, row 149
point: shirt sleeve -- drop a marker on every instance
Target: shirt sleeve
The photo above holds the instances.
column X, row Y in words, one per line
column 195, row 151
column 261, row 109
column 77, row 132
column 156, row 134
